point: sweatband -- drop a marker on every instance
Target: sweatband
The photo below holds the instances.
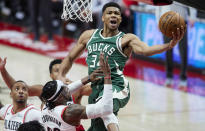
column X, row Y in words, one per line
column 74, row 86
column 111, row 118
column 104, row 106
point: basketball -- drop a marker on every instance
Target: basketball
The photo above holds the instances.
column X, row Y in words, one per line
column 169, row 22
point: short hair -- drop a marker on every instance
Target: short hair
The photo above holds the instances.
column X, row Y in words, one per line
column 111, row 4
column 17, row 82
column 31, row 126
column 49, row 90
column 53, row 62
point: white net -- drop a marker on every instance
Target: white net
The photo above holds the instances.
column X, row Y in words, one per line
column 81, row 9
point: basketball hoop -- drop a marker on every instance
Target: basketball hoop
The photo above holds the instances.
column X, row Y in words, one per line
column 81, row 9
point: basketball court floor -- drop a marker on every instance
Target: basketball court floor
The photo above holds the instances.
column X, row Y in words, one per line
column 151, row 107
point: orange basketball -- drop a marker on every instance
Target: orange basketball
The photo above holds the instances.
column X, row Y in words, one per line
column 169, row 22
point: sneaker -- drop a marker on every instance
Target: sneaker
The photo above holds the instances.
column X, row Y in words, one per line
column 183, row 85
column 169, row 82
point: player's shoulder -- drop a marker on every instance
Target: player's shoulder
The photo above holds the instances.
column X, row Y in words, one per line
column 59, row 109
column 32, row 113
column 88, row 33
column 85, row 36
column 32, row 109
column 129, row 35
column 6, row 106
column 4, row 109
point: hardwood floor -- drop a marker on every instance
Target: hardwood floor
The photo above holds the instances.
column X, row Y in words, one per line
column 151, row 107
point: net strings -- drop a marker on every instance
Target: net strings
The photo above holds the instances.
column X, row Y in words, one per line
column 81, row 9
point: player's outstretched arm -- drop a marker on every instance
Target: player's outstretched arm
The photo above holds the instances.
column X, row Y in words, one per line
column 74, row 54
column 34, row 90
column 75, row 112
column 141, row 48
column 8, row 79
column 86, row 90
column 77, row 85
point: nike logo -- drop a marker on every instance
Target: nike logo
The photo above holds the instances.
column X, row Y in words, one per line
column 96, row 100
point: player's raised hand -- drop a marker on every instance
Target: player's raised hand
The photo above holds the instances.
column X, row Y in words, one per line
column 2, row 63
column 104, row 65
column 177, row 36
column 96, row 75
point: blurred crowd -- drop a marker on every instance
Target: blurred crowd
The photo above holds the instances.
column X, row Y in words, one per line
column 44, row 16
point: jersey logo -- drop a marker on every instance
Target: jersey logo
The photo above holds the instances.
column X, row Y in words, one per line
column 96, row 100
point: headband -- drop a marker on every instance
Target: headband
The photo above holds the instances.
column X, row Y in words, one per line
column 58, row 91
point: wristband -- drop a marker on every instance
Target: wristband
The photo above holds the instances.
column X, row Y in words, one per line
column 108, row 77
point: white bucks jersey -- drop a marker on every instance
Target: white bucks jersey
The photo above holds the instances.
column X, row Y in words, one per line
column 12, row 120
column 53, row 121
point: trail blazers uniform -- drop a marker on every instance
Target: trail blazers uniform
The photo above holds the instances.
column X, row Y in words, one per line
column 53, row 121
column 12, row 121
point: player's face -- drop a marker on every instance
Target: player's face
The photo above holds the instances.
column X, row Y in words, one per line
column 112, row 18
column 19, row 92
column 55, row 71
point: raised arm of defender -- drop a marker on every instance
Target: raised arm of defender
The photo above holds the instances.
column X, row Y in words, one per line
column 141, row 48
column 34, row 90
column 9, row 80
column 101, row 108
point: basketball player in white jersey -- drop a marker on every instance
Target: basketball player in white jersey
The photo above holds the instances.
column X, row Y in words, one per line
column 19, row 112
column 60, row 117
column 36, row 90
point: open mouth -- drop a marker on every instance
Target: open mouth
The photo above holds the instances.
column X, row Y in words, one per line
column 113, row 22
